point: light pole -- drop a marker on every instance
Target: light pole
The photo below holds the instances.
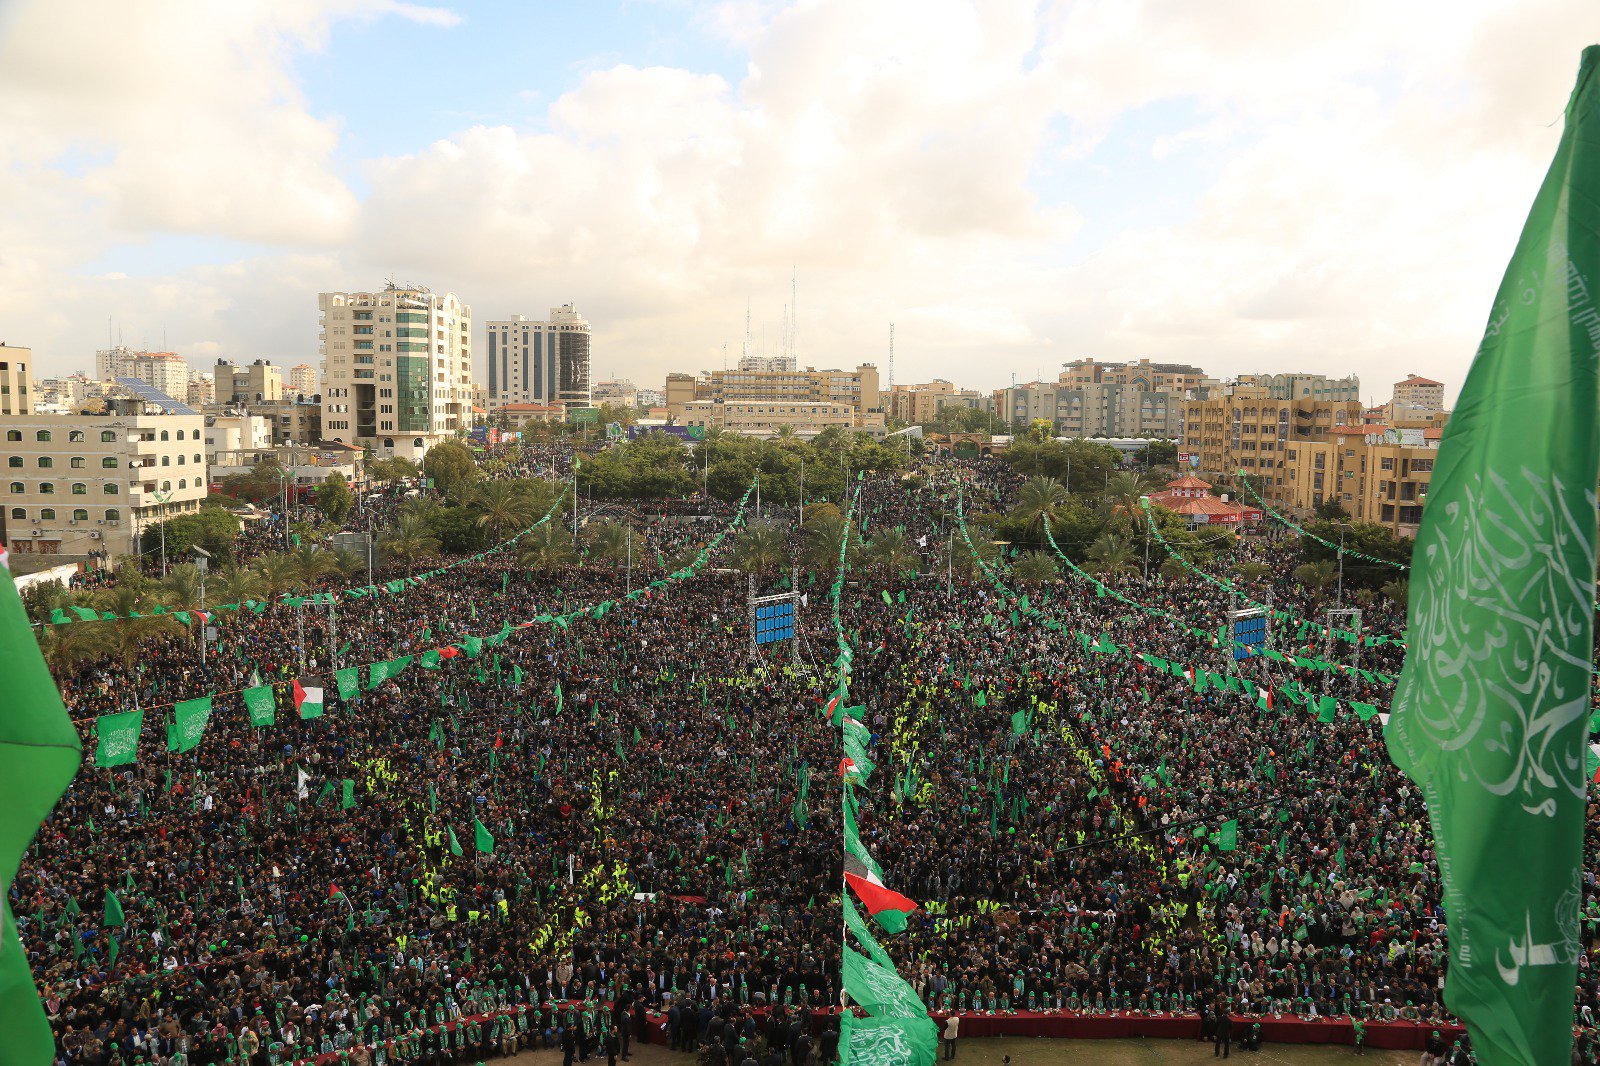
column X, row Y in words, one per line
column 630, row 559
column 1340, row 594
column 802, row 490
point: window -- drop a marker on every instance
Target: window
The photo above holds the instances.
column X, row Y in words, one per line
column 77, row 462
column 113, row 515
column 18, row 514
column 47, row 489
column 166, row 486
column 45, row 462
column 80, row 515
column 47, row 514
column 182, row 483
column 79, row 488
column 107, row 436
column 180, row 434
column 110, row 489
column 164, row 435
column 13, row 434
column 14, row 461
column 197, row 454
column 42, row 435
column 18, row 488
column 109, row 463
column 76, row 436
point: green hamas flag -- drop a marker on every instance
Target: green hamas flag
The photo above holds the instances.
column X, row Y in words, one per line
column 1227, row 837
column 259, row 701
column 484, row 841
column 455, row 845
column 878, row 989
column 887, row 1041
column 39, row 754
column 348, row 799
column 117, row 738
column 1491, row 712
column 189, row 724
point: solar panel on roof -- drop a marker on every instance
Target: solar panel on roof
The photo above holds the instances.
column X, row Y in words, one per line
column 150, row 394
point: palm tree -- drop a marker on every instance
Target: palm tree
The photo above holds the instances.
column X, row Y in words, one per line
column 823, row 533
column 890, row 554
column 1110, row 555
column 1036, row 568
column 410, row 540
column 312, row 562
column 504, row 506
column 761, row 548
column 1397, row 589
column 1173, row 570
column 1124, row 490
column 182, row 586
column 237, row 584
column 63, row 647
column 1038, row 497
column 348, row 563
column 1252, row 571
column 42, row 599
column 957, row 557
column 1318, row 575
column 547, row 548
column 278, row 574
column 608, row 540
column 125, row 636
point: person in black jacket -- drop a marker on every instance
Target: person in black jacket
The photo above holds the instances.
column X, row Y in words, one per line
column 569, row 1042
column 1222, row 1041
column 674, row 1026
column 828, row 1043
column 1208, row 1021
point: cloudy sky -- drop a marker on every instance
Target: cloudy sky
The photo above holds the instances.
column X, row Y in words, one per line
column 1240, row 184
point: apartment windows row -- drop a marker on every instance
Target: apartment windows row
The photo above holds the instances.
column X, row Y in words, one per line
column 77, row 462
column 76, row 436
column 48, row 514
column 77, row 488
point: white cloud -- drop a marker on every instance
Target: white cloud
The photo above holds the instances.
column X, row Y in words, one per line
column 1349, row 184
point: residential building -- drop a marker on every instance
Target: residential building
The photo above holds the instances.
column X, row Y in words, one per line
column 259, row 382
column 202, row 390
column 1245, row 428
column 166, row 371
column 621, row 393
column 396, row 369
column 1093, row 399
column 113, row 363
column 1304, row 386
column 80, row 484
column 916, row 404
column 293, row 422
column 228, row 435
column 16, row 381
column 652, row 398
column 516, row 414
column 1191, row 497
column 1416, row 395
column 857, row 388
column 539, row 361
column 303, row 380
column 760, row 418
column 1376, row 473
column 768, row 364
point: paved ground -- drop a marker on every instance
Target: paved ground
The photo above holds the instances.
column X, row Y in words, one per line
column 1026, row 1051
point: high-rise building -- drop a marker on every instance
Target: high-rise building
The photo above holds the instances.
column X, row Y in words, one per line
column 1093, row 399
column 915, row 404
column 303, row 380
column 539, row 361
column 396, row 369
column 768, row 364
column 260, row 382
column 1305, row 386
column 1245, row 428
column 166, row 371
column 16, row 381
column 202, row 390
column 112, row 363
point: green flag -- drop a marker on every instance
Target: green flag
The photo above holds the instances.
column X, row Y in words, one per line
column 349, row 681
column 261, row 704
column 116, row 737
column 887, row 1041
column 484, row 841
column 349, row 799
column 113, row 909
column 455, row 845
column 1227, row 837
column 189, row 724
column 1491, row 711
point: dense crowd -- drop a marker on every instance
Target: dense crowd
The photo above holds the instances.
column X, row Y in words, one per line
column 660, row 802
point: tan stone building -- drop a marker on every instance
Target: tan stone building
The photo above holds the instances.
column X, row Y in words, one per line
column 1245, row 428
column 856, row 388
column 1291, row 386
column 1416, row 396
column 915, row 404
column 755, row 418
column 1377, row 473
column 76, row 484
column 1093, row 399
column 16, row 380
column 303, row 380
column 259, row 382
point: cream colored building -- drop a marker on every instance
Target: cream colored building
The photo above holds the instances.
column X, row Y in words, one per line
column 16, row 380
column 303, row 380
column 1245, row 428
column 1093, row 399
column 620, row 393
column 1416, row 396
column 76, row 485
column 1317, row 387
column 755, row 418
column 236, row 433
column 396, row 369
column 202, row 390
column 538, row 361
column 259, row 382
column 857, row 388
column 921, row 403
column 1377, row 474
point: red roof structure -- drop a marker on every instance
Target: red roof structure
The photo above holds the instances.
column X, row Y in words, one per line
column 1191, row 497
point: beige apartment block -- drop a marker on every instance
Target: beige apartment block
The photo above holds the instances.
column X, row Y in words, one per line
column 1245, row 428
column 756, row 418
column 1376, row 473
column 856, row 388
column 77, row 485
column 16, row 381
column 396, row 369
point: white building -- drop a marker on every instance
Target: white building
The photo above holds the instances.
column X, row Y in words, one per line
column 303, row 380
column 81, row 484
column 539, row 362
column 396, row 369
column 621, row 393
column 227, row 435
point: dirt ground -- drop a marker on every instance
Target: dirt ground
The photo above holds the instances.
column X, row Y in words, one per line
column 1026, row 1051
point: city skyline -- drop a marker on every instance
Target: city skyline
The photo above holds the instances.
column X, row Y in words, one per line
column 1013, row 186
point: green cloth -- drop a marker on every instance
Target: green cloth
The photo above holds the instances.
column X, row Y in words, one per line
column 113, row 914
column 455, row 845
column 349, row 682
column 117, row 738
column 262, row 704
column 484, row 841
column 887, row 1041
column 1491, row 712
column 1227, row 837
column 879, row 990
column 349, row 794
column 189, row 724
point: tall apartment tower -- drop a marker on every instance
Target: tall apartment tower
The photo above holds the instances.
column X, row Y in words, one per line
column 539, row 362
column 396, row 368
column 303, row 379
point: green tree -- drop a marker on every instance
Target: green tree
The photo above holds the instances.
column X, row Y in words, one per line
column 547, row 549
column 503, row 506
column 393, row 469
column 235, row 585
column 213, row 528
column 1316, row 575
column 451, row 467
column 334, row 498
column 410, row 541
column 1397, row 589
column 1038, row 498
column 1036, row 568
column 607, row 541
column 126, row 636
column 761, row 548
column 889, row 554
column 278, row 573
column 1110, row 555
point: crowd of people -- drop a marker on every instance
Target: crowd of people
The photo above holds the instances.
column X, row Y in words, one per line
column 545, row 842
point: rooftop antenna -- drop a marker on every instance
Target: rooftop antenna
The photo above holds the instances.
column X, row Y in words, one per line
column 746, row 349
column 794, row 317
column 783, row 334
column 891, row 356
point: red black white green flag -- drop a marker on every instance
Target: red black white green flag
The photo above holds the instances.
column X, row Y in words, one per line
column 308, row 696
column 884, row 904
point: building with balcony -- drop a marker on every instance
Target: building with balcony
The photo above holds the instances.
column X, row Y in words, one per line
column 916, row 404
column 1304, row 386
column 80, row 485
column 259, row 382
column 1416, row 396
column 303, row 381
column 533, row 361
column 396, row 369
column 1376, row 473
column 1245, row 428
column 1093, row 399
column 760, row 418
column 857, row 389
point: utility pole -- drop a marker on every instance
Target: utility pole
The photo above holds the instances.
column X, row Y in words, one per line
column 1340, row 599
column 630, row 559
column 802, row 490
column 333, row 632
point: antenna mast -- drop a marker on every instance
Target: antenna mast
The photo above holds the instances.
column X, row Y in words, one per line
column 891, row 356
column 746, row 349
column 794, row 318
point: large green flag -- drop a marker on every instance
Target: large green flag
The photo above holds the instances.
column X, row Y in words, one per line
column 1491, row 712
column 887, row 1041
column 117, row 738
column 39, row 754
column 189, row 724
column 484, row 841
column 878, row 989
column 260, row 702
column 113, row 915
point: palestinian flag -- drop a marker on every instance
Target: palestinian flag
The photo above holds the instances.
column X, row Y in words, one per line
column 834, row 701
column 308, row 696
column 885, row 904
column 847, row 766
column 200, row 617
column 1264, row 698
